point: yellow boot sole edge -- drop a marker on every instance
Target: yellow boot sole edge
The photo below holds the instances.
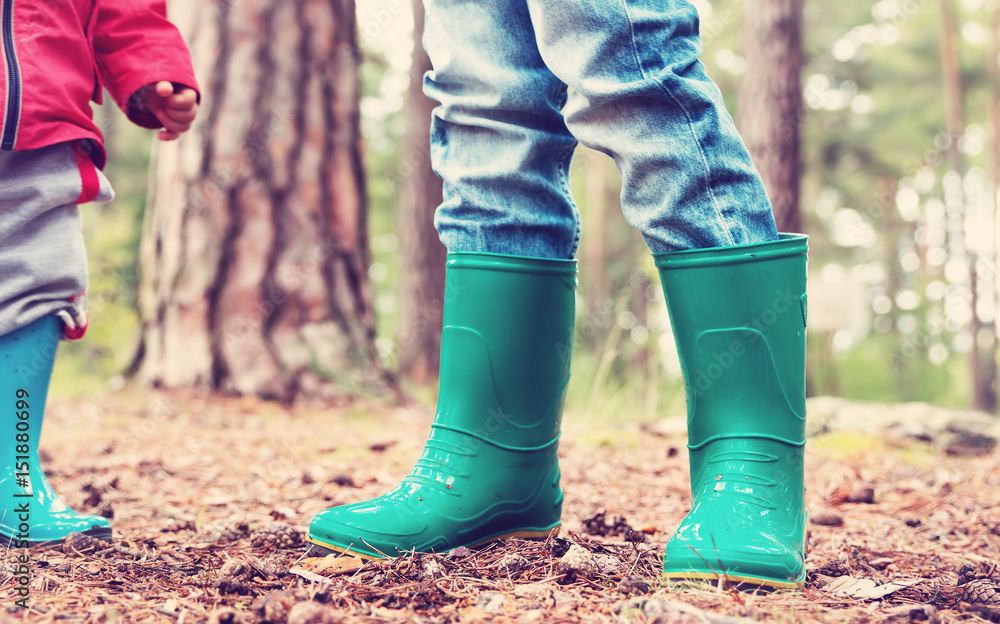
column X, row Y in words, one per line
column 526, row 534
column 735, row 579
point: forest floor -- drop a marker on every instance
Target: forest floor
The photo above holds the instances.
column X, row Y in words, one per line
column 210, row 498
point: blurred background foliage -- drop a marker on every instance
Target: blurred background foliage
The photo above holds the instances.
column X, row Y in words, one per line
column 886, row 320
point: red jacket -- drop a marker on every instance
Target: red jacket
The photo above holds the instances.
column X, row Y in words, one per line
column 58, row 53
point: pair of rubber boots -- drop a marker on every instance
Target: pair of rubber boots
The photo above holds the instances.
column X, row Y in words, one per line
column 490, row 467
column 30, row 511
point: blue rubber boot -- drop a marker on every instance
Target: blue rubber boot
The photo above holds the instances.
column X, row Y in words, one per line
column 739, row 320
column 31, row 513
column 490, row 468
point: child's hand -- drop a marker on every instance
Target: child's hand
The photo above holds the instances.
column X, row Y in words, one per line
column 175, row 111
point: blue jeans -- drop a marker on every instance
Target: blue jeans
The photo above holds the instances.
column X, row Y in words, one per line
column 505, row 131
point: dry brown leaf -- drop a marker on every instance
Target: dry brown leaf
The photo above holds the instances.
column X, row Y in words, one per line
column 333, row 565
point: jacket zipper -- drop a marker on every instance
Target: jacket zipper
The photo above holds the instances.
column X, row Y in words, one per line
column 12, row 116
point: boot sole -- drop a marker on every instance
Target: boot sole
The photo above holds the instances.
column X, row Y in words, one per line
column 735, row 579
column 103, row 534
column 320, row 548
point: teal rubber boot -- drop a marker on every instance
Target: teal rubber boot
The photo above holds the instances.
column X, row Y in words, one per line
column 739, row 321
column 490, row 468
column 32, row 512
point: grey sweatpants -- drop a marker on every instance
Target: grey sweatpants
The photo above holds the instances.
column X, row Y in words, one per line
column 43, row 263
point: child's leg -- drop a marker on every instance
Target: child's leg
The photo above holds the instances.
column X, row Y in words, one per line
column 641, row 96
column 490, row 468
column 44, row 266
column 498, row 139
column 736, row 295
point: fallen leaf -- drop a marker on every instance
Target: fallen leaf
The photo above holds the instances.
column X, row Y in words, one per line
column 866, row 589
column 332, row 565
column 309, row 576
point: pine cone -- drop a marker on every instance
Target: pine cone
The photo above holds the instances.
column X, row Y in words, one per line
column 237, row 569
column 174, row 525
column 83, row 544
column 278, row 536
column 981, row 591
column 224, row 531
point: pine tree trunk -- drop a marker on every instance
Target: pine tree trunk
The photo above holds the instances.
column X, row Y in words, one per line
column 771, row 102
column 423, row 266
column 254, row 253
column 988, row 399
column 982, row 382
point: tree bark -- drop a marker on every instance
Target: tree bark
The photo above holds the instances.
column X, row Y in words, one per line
column 988, row 390
column 954, row 94
column 254, row 253
column 770, row 110
column 423, row 267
